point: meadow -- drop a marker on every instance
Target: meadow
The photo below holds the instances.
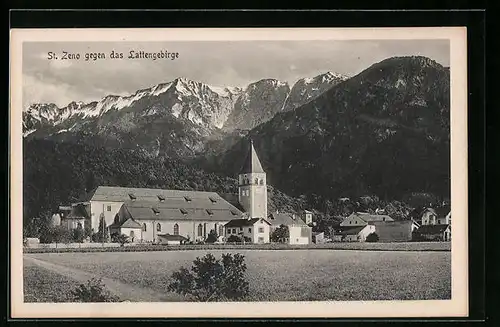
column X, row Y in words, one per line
column 305, row 275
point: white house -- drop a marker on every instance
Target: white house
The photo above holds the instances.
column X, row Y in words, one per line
column 256, row 230
column 299, row 232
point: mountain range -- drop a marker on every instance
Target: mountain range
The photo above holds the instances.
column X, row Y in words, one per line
column 384, row 131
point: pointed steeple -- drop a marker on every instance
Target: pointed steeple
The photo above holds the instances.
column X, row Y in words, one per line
column 252, row 162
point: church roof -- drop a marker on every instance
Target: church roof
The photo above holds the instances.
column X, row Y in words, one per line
column 122, row 194
column 244, row 222
column 252, row 162
column 182, row 209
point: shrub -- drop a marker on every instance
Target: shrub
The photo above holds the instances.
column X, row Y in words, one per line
column 212, row 237
column 373, row 237
column 238, row 239
column 212, row 279
column 93, row 291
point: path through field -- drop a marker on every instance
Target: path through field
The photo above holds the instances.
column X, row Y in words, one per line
column 124, row 291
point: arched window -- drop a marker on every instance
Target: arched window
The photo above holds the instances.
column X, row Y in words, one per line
column 144, row 227
column 261, row 182
column 158, row 227
column 176, row 229
column 257, row 181
column 221, row 230
column 200, row 230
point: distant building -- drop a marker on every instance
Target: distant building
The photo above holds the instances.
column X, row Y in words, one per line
column 363, row 218
column 299, row 232
column 255, row 229
column 433, row 233
column 308, row 217
column 436, row 225
column 395, row 231
column 352, row 233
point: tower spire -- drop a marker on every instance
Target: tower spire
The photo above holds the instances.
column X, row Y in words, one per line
column 252, row 163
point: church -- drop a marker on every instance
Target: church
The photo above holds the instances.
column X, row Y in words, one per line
column 156, row 215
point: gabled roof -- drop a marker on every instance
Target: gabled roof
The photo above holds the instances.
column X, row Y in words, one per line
column 244, row 222
column 180, row 209
column 367, row 217
column 277, row 219
column 252, row 162
column 121, row 194
column 348, row 230
column 432, row 229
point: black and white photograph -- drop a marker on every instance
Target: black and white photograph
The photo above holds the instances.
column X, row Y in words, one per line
column 240, row 168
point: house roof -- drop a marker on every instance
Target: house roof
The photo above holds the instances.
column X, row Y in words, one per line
column 77, row 212
column 170, row 237
column 182, row 209
column 244, row 222
column 432, row 229
column 287, row 219
column 348, row 230
column 252, row 162
column 367, row 217
column 394, row 223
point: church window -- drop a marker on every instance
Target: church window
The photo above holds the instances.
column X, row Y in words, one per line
column 161, row 198
column 200, row 230
column 210, row 212
column 221, row 230
column 183, row 211
column 144, row 227
column 213, row 200
column 108, row 208
column 132, row 196
column 187, row 198
column 176, row 229
column 158, row 227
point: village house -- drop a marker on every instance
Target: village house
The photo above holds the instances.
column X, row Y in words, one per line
column 395, row 231
column 436, row 225
column 255, row 230
column 299, row 231
column 363, row 218
column 353, row 233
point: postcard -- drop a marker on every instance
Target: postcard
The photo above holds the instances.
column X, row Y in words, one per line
column 238, row 173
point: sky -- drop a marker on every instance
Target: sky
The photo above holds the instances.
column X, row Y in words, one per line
column 217, row 63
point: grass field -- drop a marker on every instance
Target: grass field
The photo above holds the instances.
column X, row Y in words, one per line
column 305, row 275
column 41, row 285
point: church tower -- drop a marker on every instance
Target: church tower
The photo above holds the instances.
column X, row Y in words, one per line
column 252, row 186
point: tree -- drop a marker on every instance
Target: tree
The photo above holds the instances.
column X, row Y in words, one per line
column 211, row 279
column 119, row 238
column 280, row 234
column 60, row 234
column 78, row 234
column 93, row 291
column 212, row 237
column 373, row 237
column 102, row 233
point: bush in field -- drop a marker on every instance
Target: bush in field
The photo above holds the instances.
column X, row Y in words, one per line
column 212, row 237
column 373, row 237
column 93, row 291
column 280, row 234
column 119, row 238
column 212, row 279
column 78, row 234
